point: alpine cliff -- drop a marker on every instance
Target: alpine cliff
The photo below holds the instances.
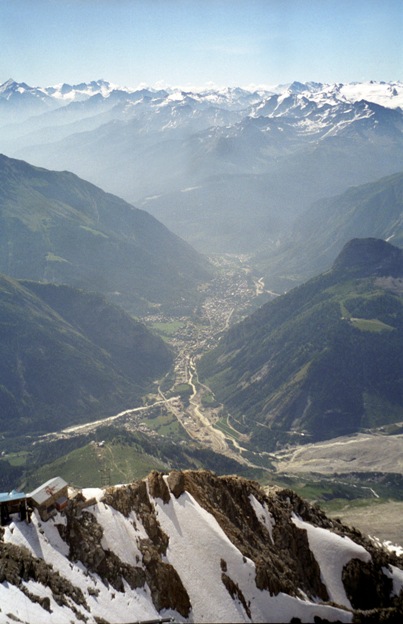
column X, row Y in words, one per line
column 67, row 356
column 194, row 547
column 58, row 228
column 326, row 359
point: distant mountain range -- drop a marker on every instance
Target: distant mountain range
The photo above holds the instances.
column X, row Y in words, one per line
column 389, row 94
column 326, row 359
column 229, row 169
column 190, row 546
column 68, row 356
column 58, row 228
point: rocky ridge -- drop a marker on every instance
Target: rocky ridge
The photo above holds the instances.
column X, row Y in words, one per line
column 157, row 547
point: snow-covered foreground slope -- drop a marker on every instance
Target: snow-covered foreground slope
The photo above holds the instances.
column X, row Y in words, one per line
column 193, row 547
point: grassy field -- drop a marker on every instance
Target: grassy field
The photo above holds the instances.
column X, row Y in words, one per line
column 167, row 329
column 168, row 428
column 167, row 425
column 91, row 466
column 17, row 459
column 371, row 325
column 209, row 400
column 223, row 426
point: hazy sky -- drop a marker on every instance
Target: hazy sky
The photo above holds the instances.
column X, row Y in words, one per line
column 194, row 42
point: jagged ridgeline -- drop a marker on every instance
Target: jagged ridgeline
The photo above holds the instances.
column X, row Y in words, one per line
column 56, row 227
column 67, row 356
column 325, row 359
column 194, row 547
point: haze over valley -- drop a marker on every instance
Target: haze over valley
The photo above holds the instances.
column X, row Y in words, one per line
column 201, row 312
column 262, row 157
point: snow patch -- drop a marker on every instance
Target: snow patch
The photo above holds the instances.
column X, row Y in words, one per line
column 96, row 493
column 263, row 515
column 190, row 188
column 332, row 553
column 120, row 534
column 393, row 548
column 14, row 602
column 396, row 574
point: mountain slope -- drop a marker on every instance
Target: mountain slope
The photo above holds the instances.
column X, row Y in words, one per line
column 138, row 552
column 318, row 235
column 58, row 228
column 325, row 359
column 68, row 356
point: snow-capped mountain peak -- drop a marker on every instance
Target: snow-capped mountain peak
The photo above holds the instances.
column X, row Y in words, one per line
column 69, row 93
column 9, row 88
column 233, row 99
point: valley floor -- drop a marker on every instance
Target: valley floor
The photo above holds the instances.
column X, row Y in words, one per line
column 381, row 520
column 182, row 400
column 364, row 452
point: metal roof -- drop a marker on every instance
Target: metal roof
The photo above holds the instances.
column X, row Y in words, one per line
column 6, row 497
column 48, row 489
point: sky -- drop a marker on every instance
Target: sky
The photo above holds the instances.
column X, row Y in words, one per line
column 200, row 42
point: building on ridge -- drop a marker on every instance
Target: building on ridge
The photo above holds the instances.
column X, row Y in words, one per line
column 12, row 503
column 50, row 497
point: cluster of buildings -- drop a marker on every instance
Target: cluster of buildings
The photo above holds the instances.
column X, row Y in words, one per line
column 48, row 499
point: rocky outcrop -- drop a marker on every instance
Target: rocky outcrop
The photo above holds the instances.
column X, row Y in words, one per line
column 165, row 584
column 366, row 585
column 83, row 535
column 166, row 587
column 235, row 592
column 176, row 482
column 134, row 497
column 282, row 566
column 18, row 565
column 157, row 486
